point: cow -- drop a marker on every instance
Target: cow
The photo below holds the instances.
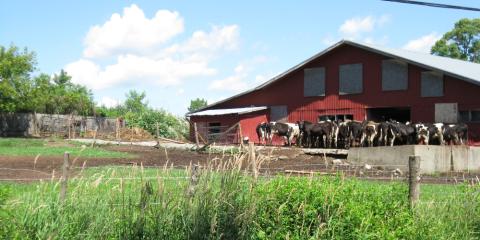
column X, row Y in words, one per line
column 305, row 128
column 383, row 129
column 436, row 133
column 342, row 135
column 403, row 133
column 369, row 133
column 455, row 134
column 282, row 130
column 324, row 131
column 422, row 133
column 295, row 134
column 264, row 133
column 355, row 129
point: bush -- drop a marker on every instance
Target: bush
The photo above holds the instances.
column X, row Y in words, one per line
column 170, row 126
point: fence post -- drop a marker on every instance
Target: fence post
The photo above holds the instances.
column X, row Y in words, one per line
column 194, row 178
column 94, row 136
column 64, row 182
column 253, row 159
column 241, row 135
column 196, row 134
column 157, row 132
column 413, row 179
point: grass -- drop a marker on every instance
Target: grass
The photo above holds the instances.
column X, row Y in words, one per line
column 52, row 147
column 150, row 203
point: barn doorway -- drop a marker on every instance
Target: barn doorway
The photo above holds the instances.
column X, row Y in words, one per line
column 401, row 114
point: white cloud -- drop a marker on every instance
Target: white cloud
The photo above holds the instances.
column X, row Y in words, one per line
column 109, row 102
column 137, row 46
column 180, row 91
column 354, row 27
column 422, row 44
column 236, row 82
column 136, row 69
column 219, row 38
column 131, row 32
column 359, row 29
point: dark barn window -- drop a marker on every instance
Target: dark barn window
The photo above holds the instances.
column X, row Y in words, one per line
column 278, row 113
column 432, row 84
column 351, row 79
column 314, row 82
column 394, row 75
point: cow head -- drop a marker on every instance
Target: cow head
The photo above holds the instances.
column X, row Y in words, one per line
column 422, row 133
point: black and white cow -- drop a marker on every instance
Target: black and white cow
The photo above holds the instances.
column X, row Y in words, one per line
column 422, row 133
column 455, row 134
column 369, row 133
column 383, row 129
column 343, row 137
column 264, row 133
column 355, row 130
column 282, row 130
column 402, row 133
column 436, row 133
column 295, row 133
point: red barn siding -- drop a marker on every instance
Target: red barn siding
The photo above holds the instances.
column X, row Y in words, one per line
column 289, row 91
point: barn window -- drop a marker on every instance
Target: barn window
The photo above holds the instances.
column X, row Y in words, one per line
column 464, row 116
column 314, row 82
column 394, row 75
column 432, row 84
column 214, row 129
column 278, row 113
column 475, row 116
column 351, row 79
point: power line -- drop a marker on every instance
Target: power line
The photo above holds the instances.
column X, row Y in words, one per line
column 438, row 5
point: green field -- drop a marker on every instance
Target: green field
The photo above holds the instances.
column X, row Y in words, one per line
column 137, row 203
column 52, row 147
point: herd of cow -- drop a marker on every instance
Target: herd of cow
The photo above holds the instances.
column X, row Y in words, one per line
column 346, row 134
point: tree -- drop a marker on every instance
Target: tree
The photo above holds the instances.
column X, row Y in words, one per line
column 462, row 42
column 196, row 104
column 135, row 101
column 15, row 69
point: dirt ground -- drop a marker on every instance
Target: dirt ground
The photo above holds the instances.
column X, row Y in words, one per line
column 279, row 160
column 26, row 167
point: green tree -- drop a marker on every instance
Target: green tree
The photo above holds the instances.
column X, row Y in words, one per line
column 196, row 104
column 135, row 101
column 462, row 42
column 16, row 67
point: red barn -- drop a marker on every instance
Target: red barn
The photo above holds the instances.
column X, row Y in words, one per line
column 352, row 80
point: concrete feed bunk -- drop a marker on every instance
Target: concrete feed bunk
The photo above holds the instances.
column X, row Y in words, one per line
column 434, row 159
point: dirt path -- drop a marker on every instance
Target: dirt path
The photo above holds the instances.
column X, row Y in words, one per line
column 21, row 168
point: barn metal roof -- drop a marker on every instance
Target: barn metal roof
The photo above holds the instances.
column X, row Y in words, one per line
column 464, row 70
column 216, row 112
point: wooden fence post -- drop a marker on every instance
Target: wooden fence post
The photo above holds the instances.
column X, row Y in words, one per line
column 253, row 159
column 157, row 132
column 196, row 134
column 414, row 179
column 94, row 136
column 241, row 135
column 194, row 178
column 64, row 181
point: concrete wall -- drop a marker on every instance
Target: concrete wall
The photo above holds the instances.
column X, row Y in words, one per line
column 29, row 124
column 434, row 159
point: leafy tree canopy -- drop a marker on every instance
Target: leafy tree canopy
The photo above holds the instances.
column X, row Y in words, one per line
column 135, row 101
column 462, row 42
column 196, row 104
column 20, row 92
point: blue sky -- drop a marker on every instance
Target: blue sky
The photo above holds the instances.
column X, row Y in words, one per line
column 180, row 50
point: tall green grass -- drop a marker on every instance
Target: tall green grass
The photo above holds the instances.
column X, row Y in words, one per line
column 226, row 203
